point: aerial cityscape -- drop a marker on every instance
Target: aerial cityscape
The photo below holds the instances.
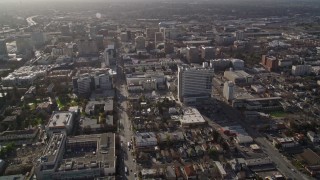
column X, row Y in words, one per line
column 166, row 89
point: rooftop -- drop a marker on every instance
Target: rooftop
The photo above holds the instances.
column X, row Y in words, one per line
column 60, row 119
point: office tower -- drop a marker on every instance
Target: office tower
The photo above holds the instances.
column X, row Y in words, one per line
column 194, row 83
column 24, row 45
column 3, row 48
column 87, row 47
column 159, row 38
column 140, row 43
column 84, row 84
column 271, row 63
column 228, row 90
column 193, row 54
column 124, row 37
column 150, row 33
column 207, row 53
column 38, row 39
column 168, row 48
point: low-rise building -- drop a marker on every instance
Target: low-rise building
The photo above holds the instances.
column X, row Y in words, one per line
column 146, row 139
column 86, row 156
column 192, row 117
column 286, row 142
column 238, row 77
column 60, row 122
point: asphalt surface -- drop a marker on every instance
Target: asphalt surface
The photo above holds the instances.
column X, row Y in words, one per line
column 283, row 165
column 125, row 132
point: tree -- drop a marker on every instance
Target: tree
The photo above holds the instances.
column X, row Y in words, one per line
column 278, row 146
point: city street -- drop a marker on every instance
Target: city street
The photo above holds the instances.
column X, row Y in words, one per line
column 282, row 164
column 125, row 133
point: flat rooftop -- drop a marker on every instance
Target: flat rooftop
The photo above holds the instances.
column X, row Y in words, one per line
column 191, row 115
column 89, row 151
column 60, row 119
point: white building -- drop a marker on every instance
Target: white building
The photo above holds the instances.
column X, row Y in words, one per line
column 140, row 43
column 207, row 52
column 61, row 122
column 192, row 117
column 193, row 54
column 300, row 70
column 194, row 82
column 228, row 90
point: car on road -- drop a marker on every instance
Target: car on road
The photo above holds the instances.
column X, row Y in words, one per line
column 126, row 170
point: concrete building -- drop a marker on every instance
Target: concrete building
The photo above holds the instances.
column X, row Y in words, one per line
column 24, row 44
column 207, row 53
column 159, row 37
column 60, row 122
column 38, row 39
column 105, row 82
column 69, row 49
column 87, row 47
column 225, row 39
column 84, row 84
column 238, row 77
column 220, row 64
column 193, row 54
column 192, row 117
column 150, row 33
column 240, row 35
column 194, row 83
column 124, row 37
column 145, row 139
column 237, row 64
column 140, row 43
column 300, row 70
column 3, row 49
column 109, row 54
column 168, row 48
column 95, row 157
column 56, row 52
column 228, row 90
column 271, row 63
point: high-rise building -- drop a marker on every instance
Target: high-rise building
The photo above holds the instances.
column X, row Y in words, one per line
column 300, row 70
column 105, row 82
column 194, row 83
column 84, row 84
column 150, row 33
column 140, row 43
column 99, row 41
column 239, row 35
column 38, row 39
column 228, row 90
column 271, row 63
column 159, row 38
column 193, row 54
column 87, row 47
column 207, row 53
column 24, row 45
column 108, row 55
column 168, row 48
column 3, row 48
column 124, row 37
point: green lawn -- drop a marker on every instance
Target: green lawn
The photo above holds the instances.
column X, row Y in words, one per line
column 278, row 114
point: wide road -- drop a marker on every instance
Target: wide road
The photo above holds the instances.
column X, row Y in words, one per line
column 125, row 132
